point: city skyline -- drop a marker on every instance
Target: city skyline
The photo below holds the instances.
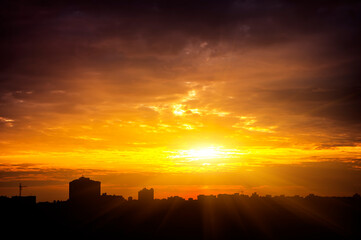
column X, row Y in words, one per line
column 88, row 213
column 84, row 189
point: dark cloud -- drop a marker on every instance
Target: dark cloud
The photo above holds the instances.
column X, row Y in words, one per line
column 39, row 36
column 59, row 45
column 40, row 175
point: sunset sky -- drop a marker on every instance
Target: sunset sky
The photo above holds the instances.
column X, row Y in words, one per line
column 187, row 97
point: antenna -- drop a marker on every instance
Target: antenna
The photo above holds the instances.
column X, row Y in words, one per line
column 20, row 189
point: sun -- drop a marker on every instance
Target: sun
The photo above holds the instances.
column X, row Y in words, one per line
column 203, row 153
column 216, row 156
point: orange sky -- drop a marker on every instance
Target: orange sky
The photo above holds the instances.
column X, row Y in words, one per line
column 232, row 97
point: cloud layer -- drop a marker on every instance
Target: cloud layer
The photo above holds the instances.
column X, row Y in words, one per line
column 134, row 77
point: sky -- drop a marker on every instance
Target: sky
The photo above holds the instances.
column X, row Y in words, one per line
column 187, row 97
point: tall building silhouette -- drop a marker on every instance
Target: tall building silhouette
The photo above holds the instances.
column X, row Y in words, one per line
column 146, row 195
column 84, row 190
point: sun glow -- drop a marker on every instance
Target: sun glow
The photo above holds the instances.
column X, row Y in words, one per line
column 207, row 153
column 204, row 153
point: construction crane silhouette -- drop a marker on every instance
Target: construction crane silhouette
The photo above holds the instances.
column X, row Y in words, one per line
column 21, row 188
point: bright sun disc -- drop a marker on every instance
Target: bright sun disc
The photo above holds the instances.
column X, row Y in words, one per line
column 203, row 153
column 207, row 153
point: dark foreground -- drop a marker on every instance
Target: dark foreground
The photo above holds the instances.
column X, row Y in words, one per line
column 222, row 218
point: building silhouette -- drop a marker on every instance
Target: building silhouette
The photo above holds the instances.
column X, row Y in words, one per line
column 222, row 216
column 111, row 199
column 206, row 197
column 84, row 190
column 24, row 200
column 146, row 195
